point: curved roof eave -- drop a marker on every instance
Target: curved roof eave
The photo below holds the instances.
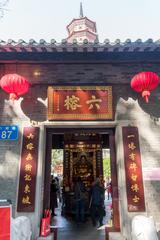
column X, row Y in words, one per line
column 106, row 51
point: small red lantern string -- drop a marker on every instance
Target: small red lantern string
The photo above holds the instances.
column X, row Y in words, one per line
column 15, row 85
column 145, row 82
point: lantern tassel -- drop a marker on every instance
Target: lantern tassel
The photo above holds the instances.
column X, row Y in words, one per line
column 146, row 95
column 13, row 96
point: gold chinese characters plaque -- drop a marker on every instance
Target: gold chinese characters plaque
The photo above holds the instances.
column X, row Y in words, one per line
column 80, row 103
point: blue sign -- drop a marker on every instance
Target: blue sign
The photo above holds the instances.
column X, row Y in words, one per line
column 9, row 132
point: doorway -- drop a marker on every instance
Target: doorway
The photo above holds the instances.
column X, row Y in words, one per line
column 91, row 145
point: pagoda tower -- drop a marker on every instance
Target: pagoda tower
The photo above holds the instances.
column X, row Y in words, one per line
column 82, row 28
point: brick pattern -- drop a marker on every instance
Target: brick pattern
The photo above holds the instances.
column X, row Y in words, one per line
column 9, row 165
column 73, row 74
column 145, row 116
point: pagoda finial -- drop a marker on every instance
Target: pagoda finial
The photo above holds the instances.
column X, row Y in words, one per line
column 81, row 11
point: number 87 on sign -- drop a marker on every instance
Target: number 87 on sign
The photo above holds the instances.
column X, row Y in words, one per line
column 8, row 132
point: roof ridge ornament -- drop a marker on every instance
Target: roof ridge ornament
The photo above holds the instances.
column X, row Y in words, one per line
column 21, row 41
column 81, row 11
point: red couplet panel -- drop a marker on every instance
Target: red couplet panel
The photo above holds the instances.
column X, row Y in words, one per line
column 133, row 169
column 5, row 222
column 28, row 170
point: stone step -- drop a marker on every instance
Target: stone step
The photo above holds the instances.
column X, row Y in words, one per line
column 116, row 236
column 50, row 237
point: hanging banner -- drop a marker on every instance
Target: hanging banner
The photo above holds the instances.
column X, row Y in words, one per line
column 80, row 103
column 133, row 169
column 28, row 170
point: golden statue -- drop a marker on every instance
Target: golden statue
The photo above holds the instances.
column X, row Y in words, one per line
column 83, row 168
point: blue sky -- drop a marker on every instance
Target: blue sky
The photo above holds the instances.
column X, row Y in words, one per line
column 47, row 19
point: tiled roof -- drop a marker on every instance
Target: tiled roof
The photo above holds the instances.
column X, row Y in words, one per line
column 106, row 46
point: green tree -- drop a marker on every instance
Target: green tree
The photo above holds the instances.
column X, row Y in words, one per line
column 57, row 157
column 106, row 167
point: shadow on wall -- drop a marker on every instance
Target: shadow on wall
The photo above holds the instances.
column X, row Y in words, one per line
column 152, row 108
column 34, row 104
column 31, row 106
column 10, row 112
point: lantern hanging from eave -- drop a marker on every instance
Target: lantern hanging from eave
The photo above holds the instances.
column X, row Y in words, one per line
column 145, row 82
column 15, row 85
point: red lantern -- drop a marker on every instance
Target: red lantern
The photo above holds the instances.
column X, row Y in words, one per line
column 15, row 85
column 145, row 82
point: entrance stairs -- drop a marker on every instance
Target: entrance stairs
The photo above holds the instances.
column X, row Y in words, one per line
column 116, row 236
column 50, row 237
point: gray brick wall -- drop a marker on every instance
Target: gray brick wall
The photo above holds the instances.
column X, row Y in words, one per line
column 73, row 74
column 9, row 165
column 135, row 112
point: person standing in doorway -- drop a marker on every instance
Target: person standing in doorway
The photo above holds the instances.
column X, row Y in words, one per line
column 79, row 191
column 53, row 196
column 109, row 189
column 59, row 195
column 97, row 202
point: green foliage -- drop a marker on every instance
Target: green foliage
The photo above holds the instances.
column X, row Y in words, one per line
column 106, row 167
column 57, row 157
